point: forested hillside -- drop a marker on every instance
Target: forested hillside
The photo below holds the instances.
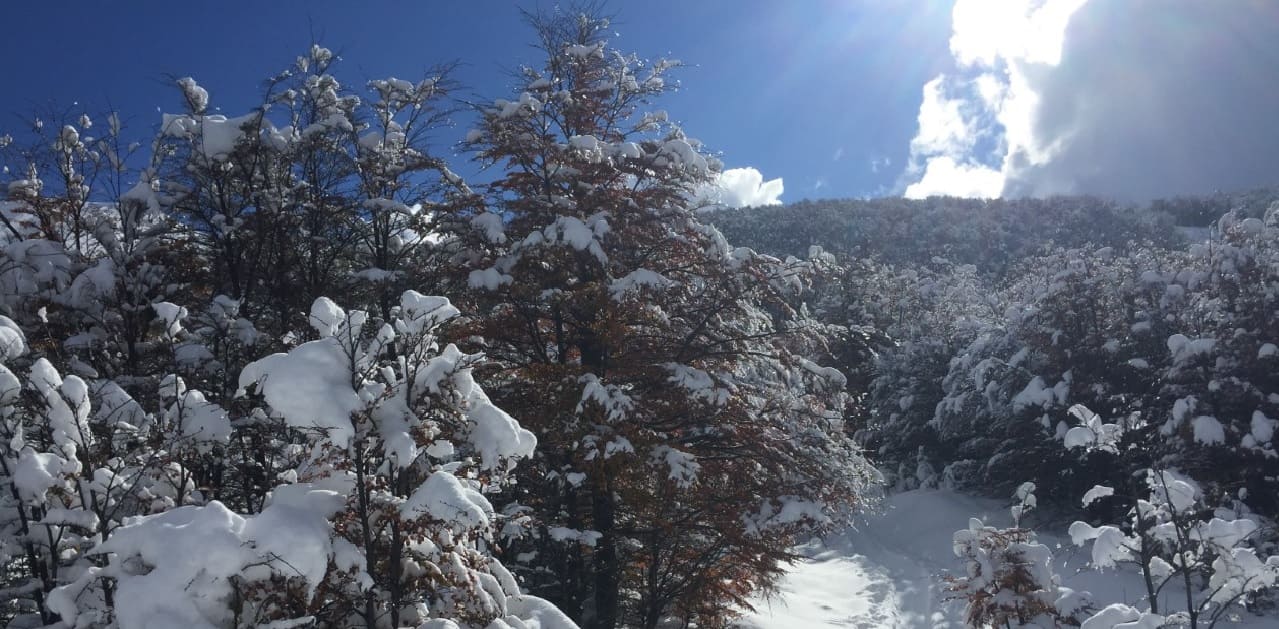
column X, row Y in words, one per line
column 287, row 368
column 1065, row 349
column 989, row 320
column 991, row 234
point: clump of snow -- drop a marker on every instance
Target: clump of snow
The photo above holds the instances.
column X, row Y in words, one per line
column 1038, row 394
column 197, row 97
column 445, row 498
column 10, row 386
column 680, row 154
column 488, row 279
column 326, row 317
column 1184, row 348
column 13, row 343
column 789, row 510
column 492, row 226
column 66, row 406
column 176, row 568
column 698, row 382
column 1026, row 501
column 578, row 234
column 629, row 150
column 1122, row 616
column 143, row 193
column 635, row 281
column 183, row 563
column 310, row 387
column 421, row 313
column 216, row 135
column 524, row 105
column 1178, row 492
column 830, row 374
column 683, row 466
column 1092, row 434
column 1096, row 493
column 495, row 434
column 618, row 445
column 1224, row 533
column 1263, row 428
column 583, row 51
column 171, row 316
column 615, row 402
column 563, row 534
column 534, row 613
column 35, row 473
column 199, row 420
column 584, row 142
column 1208, row 431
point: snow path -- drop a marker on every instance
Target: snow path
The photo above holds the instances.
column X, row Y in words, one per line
column 856, row 593
column 884, row 573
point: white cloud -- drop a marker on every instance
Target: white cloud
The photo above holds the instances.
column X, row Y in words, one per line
column 987, row 32
column 1158, row 98
column 991, row 89
column 944, row 177
column 943, row 128
column 1132, row 99
column 999, row 48
column 839, row 154
column 743, row 187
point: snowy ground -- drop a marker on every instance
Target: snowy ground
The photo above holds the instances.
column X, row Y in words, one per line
column 882, row 574
column 885, row 573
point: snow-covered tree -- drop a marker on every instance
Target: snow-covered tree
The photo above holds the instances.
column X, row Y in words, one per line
column 383, row 518
column 1205, row 558
column 683, row 445
column 319, row 187
column 1219, row 384
column 930, row 313
column 79, row 458
column 404, row 191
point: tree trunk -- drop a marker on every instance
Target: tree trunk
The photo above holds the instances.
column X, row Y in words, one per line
column 653, row 604
column 607, row 579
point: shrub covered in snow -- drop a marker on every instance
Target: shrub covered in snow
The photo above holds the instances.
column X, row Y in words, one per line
column 1008, row 578
column 1177, row 543
column 384, row 514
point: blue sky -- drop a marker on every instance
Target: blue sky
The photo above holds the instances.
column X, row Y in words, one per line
column 820, row 93
column 838, row 98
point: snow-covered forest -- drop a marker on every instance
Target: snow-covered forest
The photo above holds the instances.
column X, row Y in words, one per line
column 287, row 368
column 1106, row 371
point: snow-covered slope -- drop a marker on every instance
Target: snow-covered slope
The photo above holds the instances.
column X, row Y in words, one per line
column 886, row 572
